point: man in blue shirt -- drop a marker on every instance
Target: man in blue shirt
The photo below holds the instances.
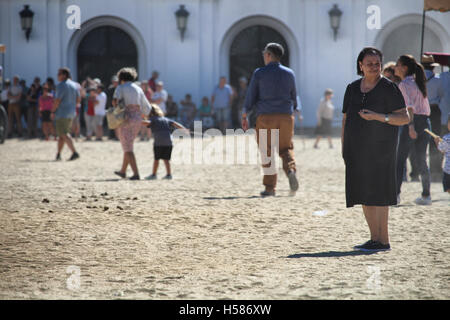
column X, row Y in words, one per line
column 66, row 98
column 221, row 103
column 272, row 92
column 435, row 93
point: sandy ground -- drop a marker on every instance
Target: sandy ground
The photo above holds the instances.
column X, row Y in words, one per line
column 206, row 234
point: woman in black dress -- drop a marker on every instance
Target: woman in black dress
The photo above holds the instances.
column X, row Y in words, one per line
column 373, row 109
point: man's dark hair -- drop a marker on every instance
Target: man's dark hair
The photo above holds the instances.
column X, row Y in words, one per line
column 101, row 87
column 275, row 49
column 65, row 72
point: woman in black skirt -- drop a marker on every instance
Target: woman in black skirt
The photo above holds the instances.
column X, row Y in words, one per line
column 373, row 109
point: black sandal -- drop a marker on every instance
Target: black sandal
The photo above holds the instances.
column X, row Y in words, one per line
column 120, row 174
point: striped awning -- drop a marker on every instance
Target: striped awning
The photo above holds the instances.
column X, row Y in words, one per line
column 437, row 5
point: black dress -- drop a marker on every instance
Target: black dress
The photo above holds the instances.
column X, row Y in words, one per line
column 370, row 147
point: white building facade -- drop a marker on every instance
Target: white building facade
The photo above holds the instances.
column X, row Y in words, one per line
column 220, row 39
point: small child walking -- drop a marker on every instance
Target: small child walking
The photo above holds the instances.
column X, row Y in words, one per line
column 325, row 118
column 162, row 145
column 444, row 146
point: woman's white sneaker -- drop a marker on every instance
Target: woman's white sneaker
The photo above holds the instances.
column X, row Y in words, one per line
column 424, row 201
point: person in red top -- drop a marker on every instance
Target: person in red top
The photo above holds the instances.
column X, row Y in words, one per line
column 152, row 81
column 89, row 115
column 45, row 110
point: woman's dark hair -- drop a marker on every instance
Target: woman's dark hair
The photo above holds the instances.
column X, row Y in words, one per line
column 127, row 74
column 416, row 69
column 367, row 51
column 50, row 82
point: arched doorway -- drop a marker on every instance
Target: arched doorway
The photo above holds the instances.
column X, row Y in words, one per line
column 246, row 51
column 406, row 40
column 402, row 35
column 103, row 51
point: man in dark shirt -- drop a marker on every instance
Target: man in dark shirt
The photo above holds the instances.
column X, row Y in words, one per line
column 273, row 94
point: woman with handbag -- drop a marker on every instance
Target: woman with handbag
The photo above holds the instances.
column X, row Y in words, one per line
column 135, row 104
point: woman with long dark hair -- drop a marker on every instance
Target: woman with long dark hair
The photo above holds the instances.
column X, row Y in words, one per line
column 373, row 109
column 414, row 90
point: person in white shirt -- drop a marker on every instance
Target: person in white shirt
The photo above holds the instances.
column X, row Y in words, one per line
column 14, row 112
column 160, row 96
column 325, row 118
column 136, row 105
column 100, row 111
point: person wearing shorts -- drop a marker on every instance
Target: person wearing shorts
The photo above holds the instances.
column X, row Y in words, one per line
column 63, row 126
column 66, row 98
column 162, row 145
column 162, row 152
column 221, row 103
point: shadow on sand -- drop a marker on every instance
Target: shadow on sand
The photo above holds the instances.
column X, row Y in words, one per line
column 249, row 197
column 37, row 160
column 99, row 180
column 230, row 198
column 330, row 254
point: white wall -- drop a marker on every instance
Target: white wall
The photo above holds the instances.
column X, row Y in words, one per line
column 194, row 65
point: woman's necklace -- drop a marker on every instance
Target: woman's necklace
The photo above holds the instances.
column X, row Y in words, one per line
column 365, row 88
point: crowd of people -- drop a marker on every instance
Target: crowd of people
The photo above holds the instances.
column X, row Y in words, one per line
column 29, row 108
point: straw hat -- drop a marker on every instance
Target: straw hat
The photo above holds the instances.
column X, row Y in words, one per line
column 428, row 60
